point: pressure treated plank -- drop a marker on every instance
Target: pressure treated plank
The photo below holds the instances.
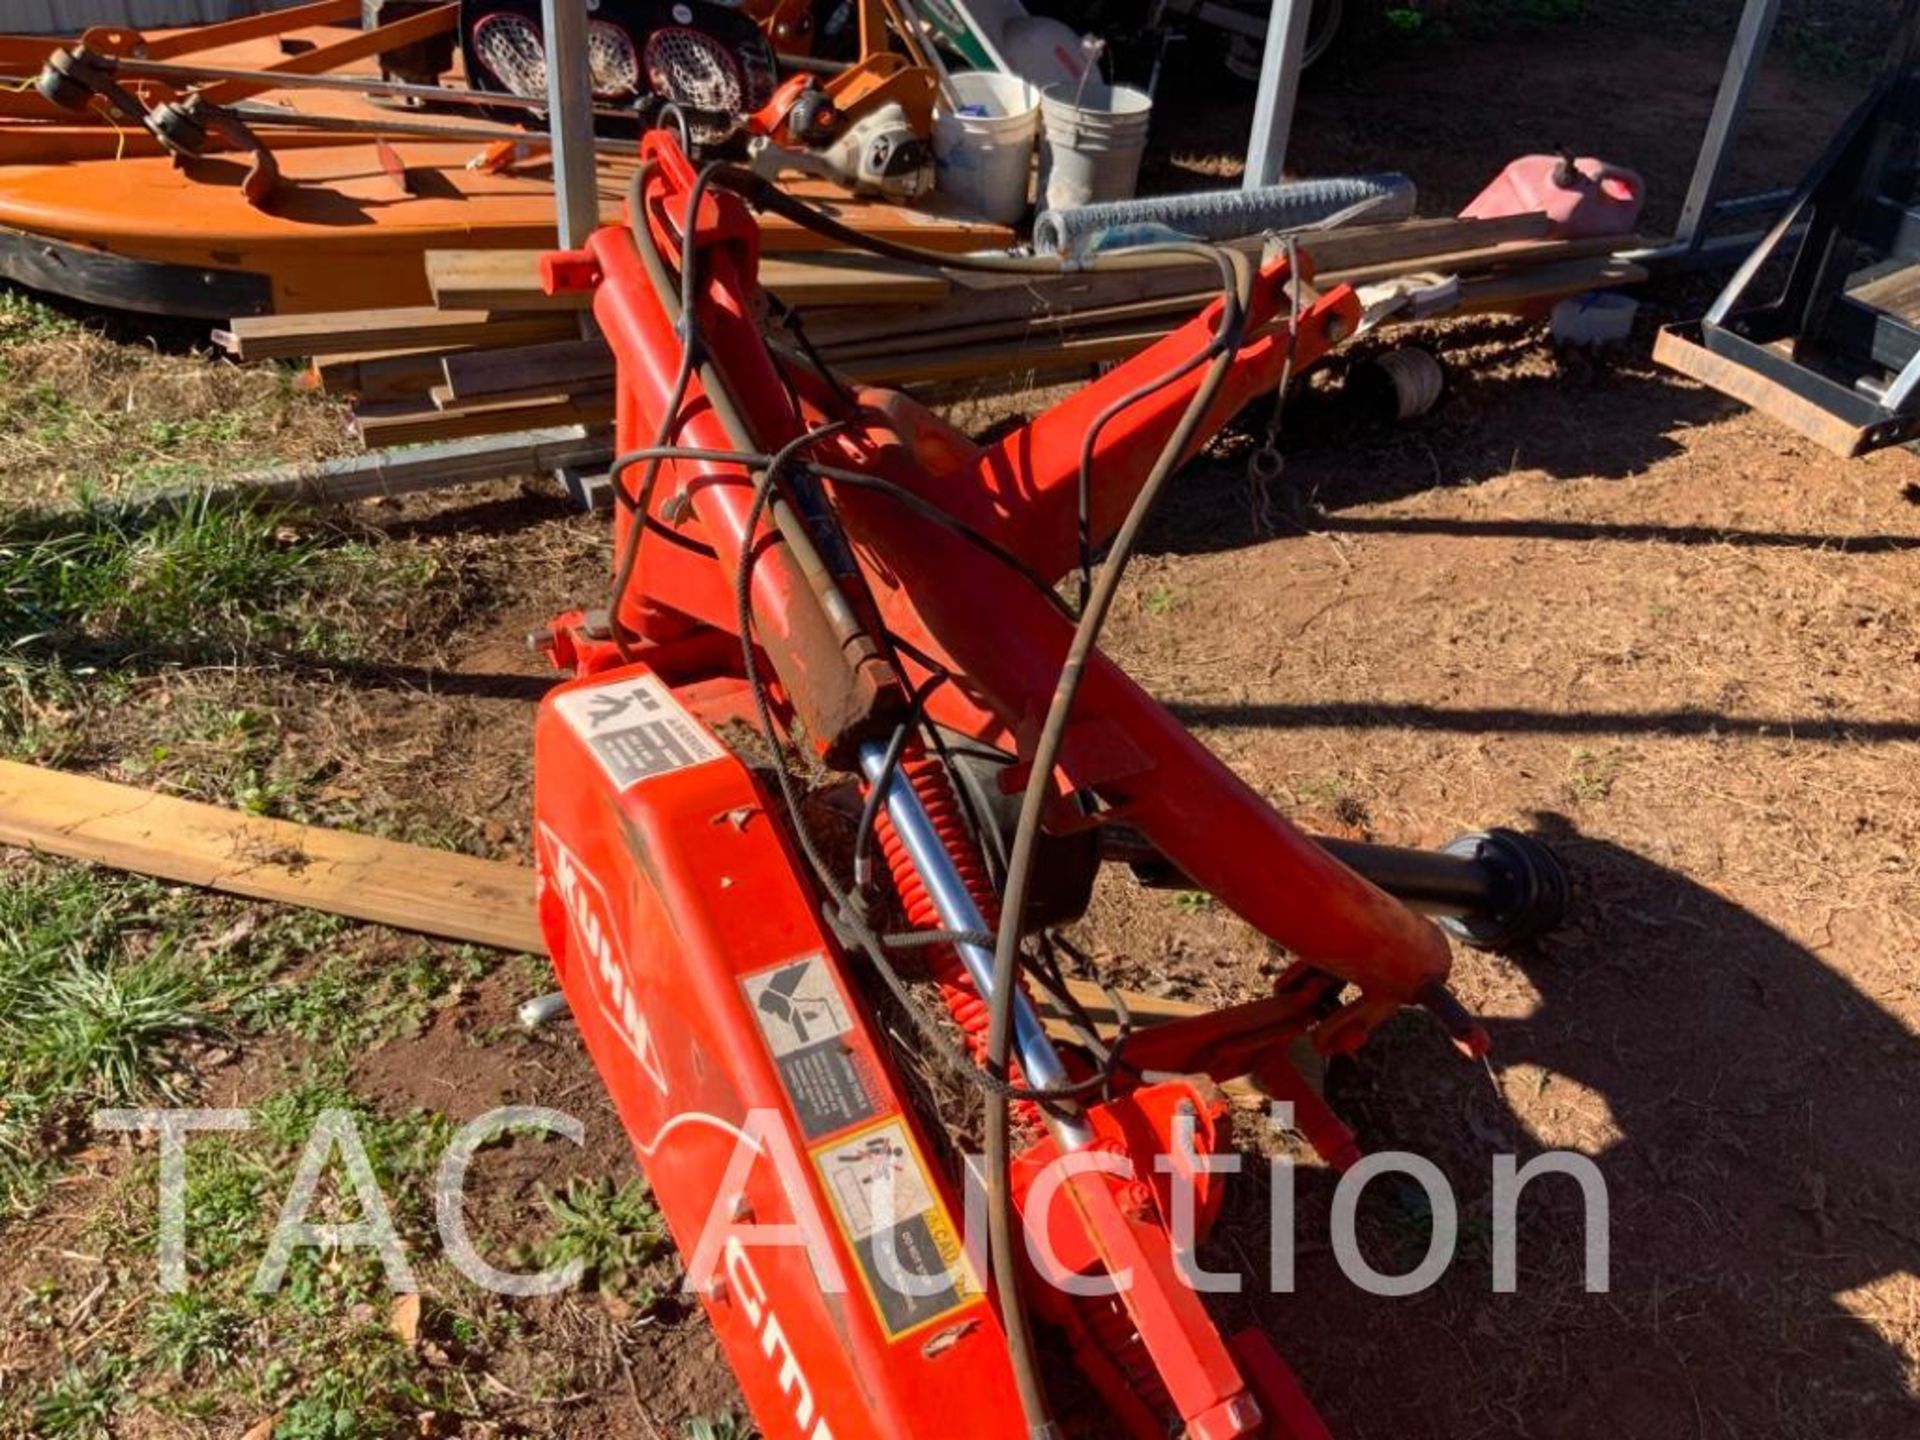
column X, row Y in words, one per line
column 509, row 280
column 385, row 882
column 434, row 892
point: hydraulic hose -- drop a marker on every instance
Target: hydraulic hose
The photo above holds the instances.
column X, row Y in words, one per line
column 1033, row 802
column 1237, row 275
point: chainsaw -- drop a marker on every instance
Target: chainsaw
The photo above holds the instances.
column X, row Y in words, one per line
column 868, row 127
column 824, row 592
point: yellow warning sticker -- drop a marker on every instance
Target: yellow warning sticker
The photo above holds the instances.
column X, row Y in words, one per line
column 912, row 1259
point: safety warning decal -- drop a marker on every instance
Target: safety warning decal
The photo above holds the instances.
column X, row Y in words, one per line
column 636, row 729
column 806, row 1022
column 911, row 1256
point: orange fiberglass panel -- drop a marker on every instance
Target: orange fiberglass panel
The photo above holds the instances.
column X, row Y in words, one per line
column 342, row 234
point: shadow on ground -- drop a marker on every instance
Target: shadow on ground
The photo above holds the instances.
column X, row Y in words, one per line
column 1756, row 1119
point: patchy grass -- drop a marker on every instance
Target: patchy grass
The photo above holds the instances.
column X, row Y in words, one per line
column 333, row 1004
column 205, row 583
column 331, row 1350
column 1591, row 773
column 99, row 997
column 121, row 636
column 718, row 1427
column 96, row 408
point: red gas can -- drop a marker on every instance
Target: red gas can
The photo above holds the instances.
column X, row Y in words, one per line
column 1584, row 197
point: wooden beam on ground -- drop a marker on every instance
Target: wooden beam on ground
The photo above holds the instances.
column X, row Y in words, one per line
column 385, row 882
column 350, row 332
column 509, row 280
column 434, row 892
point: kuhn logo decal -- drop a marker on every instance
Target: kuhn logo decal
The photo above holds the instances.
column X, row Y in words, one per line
column 773, row 1342
column 589, row 918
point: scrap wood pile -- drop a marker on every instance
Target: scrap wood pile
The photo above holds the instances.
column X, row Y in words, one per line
column 495, row 354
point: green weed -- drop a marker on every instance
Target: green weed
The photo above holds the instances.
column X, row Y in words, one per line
column 24, row 318
column 727, row 1426
column 1162, row 600
column 610, row 1231
column 96, row 997
column 191, row 1331
column 203, row 581
column 80, row 1405
column 1591, row 773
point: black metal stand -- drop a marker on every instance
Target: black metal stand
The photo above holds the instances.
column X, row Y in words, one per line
column 1837, row 354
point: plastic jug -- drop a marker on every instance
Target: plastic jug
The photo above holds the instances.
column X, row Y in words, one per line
column 1583, row 197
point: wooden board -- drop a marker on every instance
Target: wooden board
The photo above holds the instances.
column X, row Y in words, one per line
column 510, row 280
column 1172, row 285
column 1483, row 258
column 409, row 887
column 351, row 332
column 414, row 427
column 560, row 365
column 1680, row 348
column 969, row 362
column 435, row 892
column 1528, row 288
column 1897, row 292
column 381, row 374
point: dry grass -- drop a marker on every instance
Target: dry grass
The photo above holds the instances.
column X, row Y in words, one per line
column 105, row 413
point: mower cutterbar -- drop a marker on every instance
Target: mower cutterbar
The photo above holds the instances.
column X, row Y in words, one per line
column 893, row 576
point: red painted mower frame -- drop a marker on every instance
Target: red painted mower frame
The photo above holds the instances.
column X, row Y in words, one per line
column 673, row 886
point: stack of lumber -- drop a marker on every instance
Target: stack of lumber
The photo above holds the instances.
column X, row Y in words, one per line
column 495, row 354
column 990, row 326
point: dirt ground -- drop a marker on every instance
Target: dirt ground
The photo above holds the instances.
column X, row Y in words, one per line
column 1583, row 598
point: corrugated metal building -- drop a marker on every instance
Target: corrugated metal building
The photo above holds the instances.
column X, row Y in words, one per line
column 69, row 17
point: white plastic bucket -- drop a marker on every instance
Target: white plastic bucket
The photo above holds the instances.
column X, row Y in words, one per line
column 984, row 160
column 1090, row 152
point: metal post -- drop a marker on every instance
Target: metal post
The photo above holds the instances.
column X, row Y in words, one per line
column 1280, row 66
column 576, row 181
column 1729, row 109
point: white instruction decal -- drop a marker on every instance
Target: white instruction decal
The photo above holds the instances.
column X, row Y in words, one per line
column 636, row 729
column 805, row 1020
